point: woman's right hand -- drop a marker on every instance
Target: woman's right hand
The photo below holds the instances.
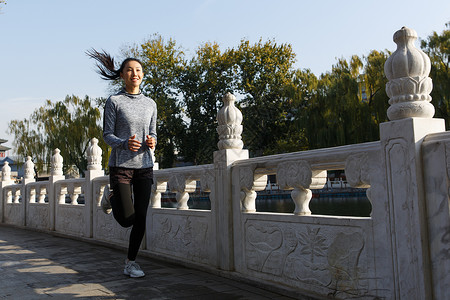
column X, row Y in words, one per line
column 133, row 144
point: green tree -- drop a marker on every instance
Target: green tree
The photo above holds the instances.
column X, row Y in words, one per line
column 265, row 72
column 68, row 125
column 28, row 142
column 303, row 93
column 334, row 114
column 437, row 46
column 204, row 81
column 375, row 88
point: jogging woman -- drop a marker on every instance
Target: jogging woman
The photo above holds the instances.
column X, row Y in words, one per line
column 129, row 127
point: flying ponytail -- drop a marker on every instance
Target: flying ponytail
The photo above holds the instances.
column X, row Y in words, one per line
column 106, row 64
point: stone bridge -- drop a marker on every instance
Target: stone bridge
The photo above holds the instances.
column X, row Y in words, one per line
column 402, row 251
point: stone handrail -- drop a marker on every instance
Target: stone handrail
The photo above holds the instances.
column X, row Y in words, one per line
column 37, row 190
column 181, row 181
column 302, row 171
column 72, row 187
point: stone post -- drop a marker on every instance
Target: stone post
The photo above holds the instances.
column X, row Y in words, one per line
column 94, row 170
column 6, row 180
column 230, row 149
column 29, row 170
column 56, row 174
column 6, row 172
column 411, row 120
column 94, row 156
column 28, row 178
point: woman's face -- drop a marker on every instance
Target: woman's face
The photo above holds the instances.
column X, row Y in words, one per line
column 132, row 75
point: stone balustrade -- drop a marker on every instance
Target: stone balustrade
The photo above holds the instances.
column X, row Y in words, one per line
column 399, row 252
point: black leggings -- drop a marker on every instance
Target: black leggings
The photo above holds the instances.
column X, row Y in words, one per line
column 129, row 205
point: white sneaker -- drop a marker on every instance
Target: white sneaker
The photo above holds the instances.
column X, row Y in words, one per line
column 106, row 203
column 133, row 270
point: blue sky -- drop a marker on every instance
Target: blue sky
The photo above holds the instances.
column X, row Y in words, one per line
column 42, row 42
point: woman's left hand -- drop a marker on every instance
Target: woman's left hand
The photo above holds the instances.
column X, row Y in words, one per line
column 151, row 142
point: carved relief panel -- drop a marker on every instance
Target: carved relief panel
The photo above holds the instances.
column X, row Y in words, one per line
column 182, row 236
column 328, row 259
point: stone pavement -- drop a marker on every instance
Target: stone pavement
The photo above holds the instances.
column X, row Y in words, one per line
column 37, row 265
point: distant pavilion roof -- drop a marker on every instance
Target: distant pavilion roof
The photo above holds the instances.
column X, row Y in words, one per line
column 3, row 148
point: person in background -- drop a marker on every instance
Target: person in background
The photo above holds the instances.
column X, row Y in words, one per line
column 129, row 127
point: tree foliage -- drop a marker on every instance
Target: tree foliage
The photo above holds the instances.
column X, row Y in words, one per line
column 203, row 82
column 284, row 109
column 349, row 103
column 264, row 75
column 68, row 125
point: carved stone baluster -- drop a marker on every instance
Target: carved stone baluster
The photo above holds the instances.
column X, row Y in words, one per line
column 74, row 198
column 17, row 196
column 297, row 175
column 250, row 184
column 6, row 180
column 57, row 163
column 32, row 195
column 6, row 172
column 409, row 86
column 229, row 119
column 42, row 193
column 182, row 186
column 9, row 198
column 207, row 182
column 28, row 178
column 94, row 155
column 74, row 193
column 62, row 195
column 157, row 188
column 29, row 169
column 357, row 172
column 99, row 195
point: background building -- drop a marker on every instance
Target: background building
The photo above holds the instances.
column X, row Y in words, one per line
column 17, row 171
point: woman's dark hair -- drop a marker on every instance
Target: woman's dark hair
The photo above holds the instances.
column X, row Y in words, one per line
column 106, row 64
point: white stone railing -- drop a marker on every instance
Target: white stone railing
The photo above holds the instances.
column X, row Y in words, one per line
column 37, row 205
column 301, row 172
column 399, row 252
column 181, row 181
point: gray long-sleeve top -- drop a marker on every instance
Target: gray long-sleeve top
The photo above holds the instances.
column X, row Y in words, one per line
column 124, row 116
